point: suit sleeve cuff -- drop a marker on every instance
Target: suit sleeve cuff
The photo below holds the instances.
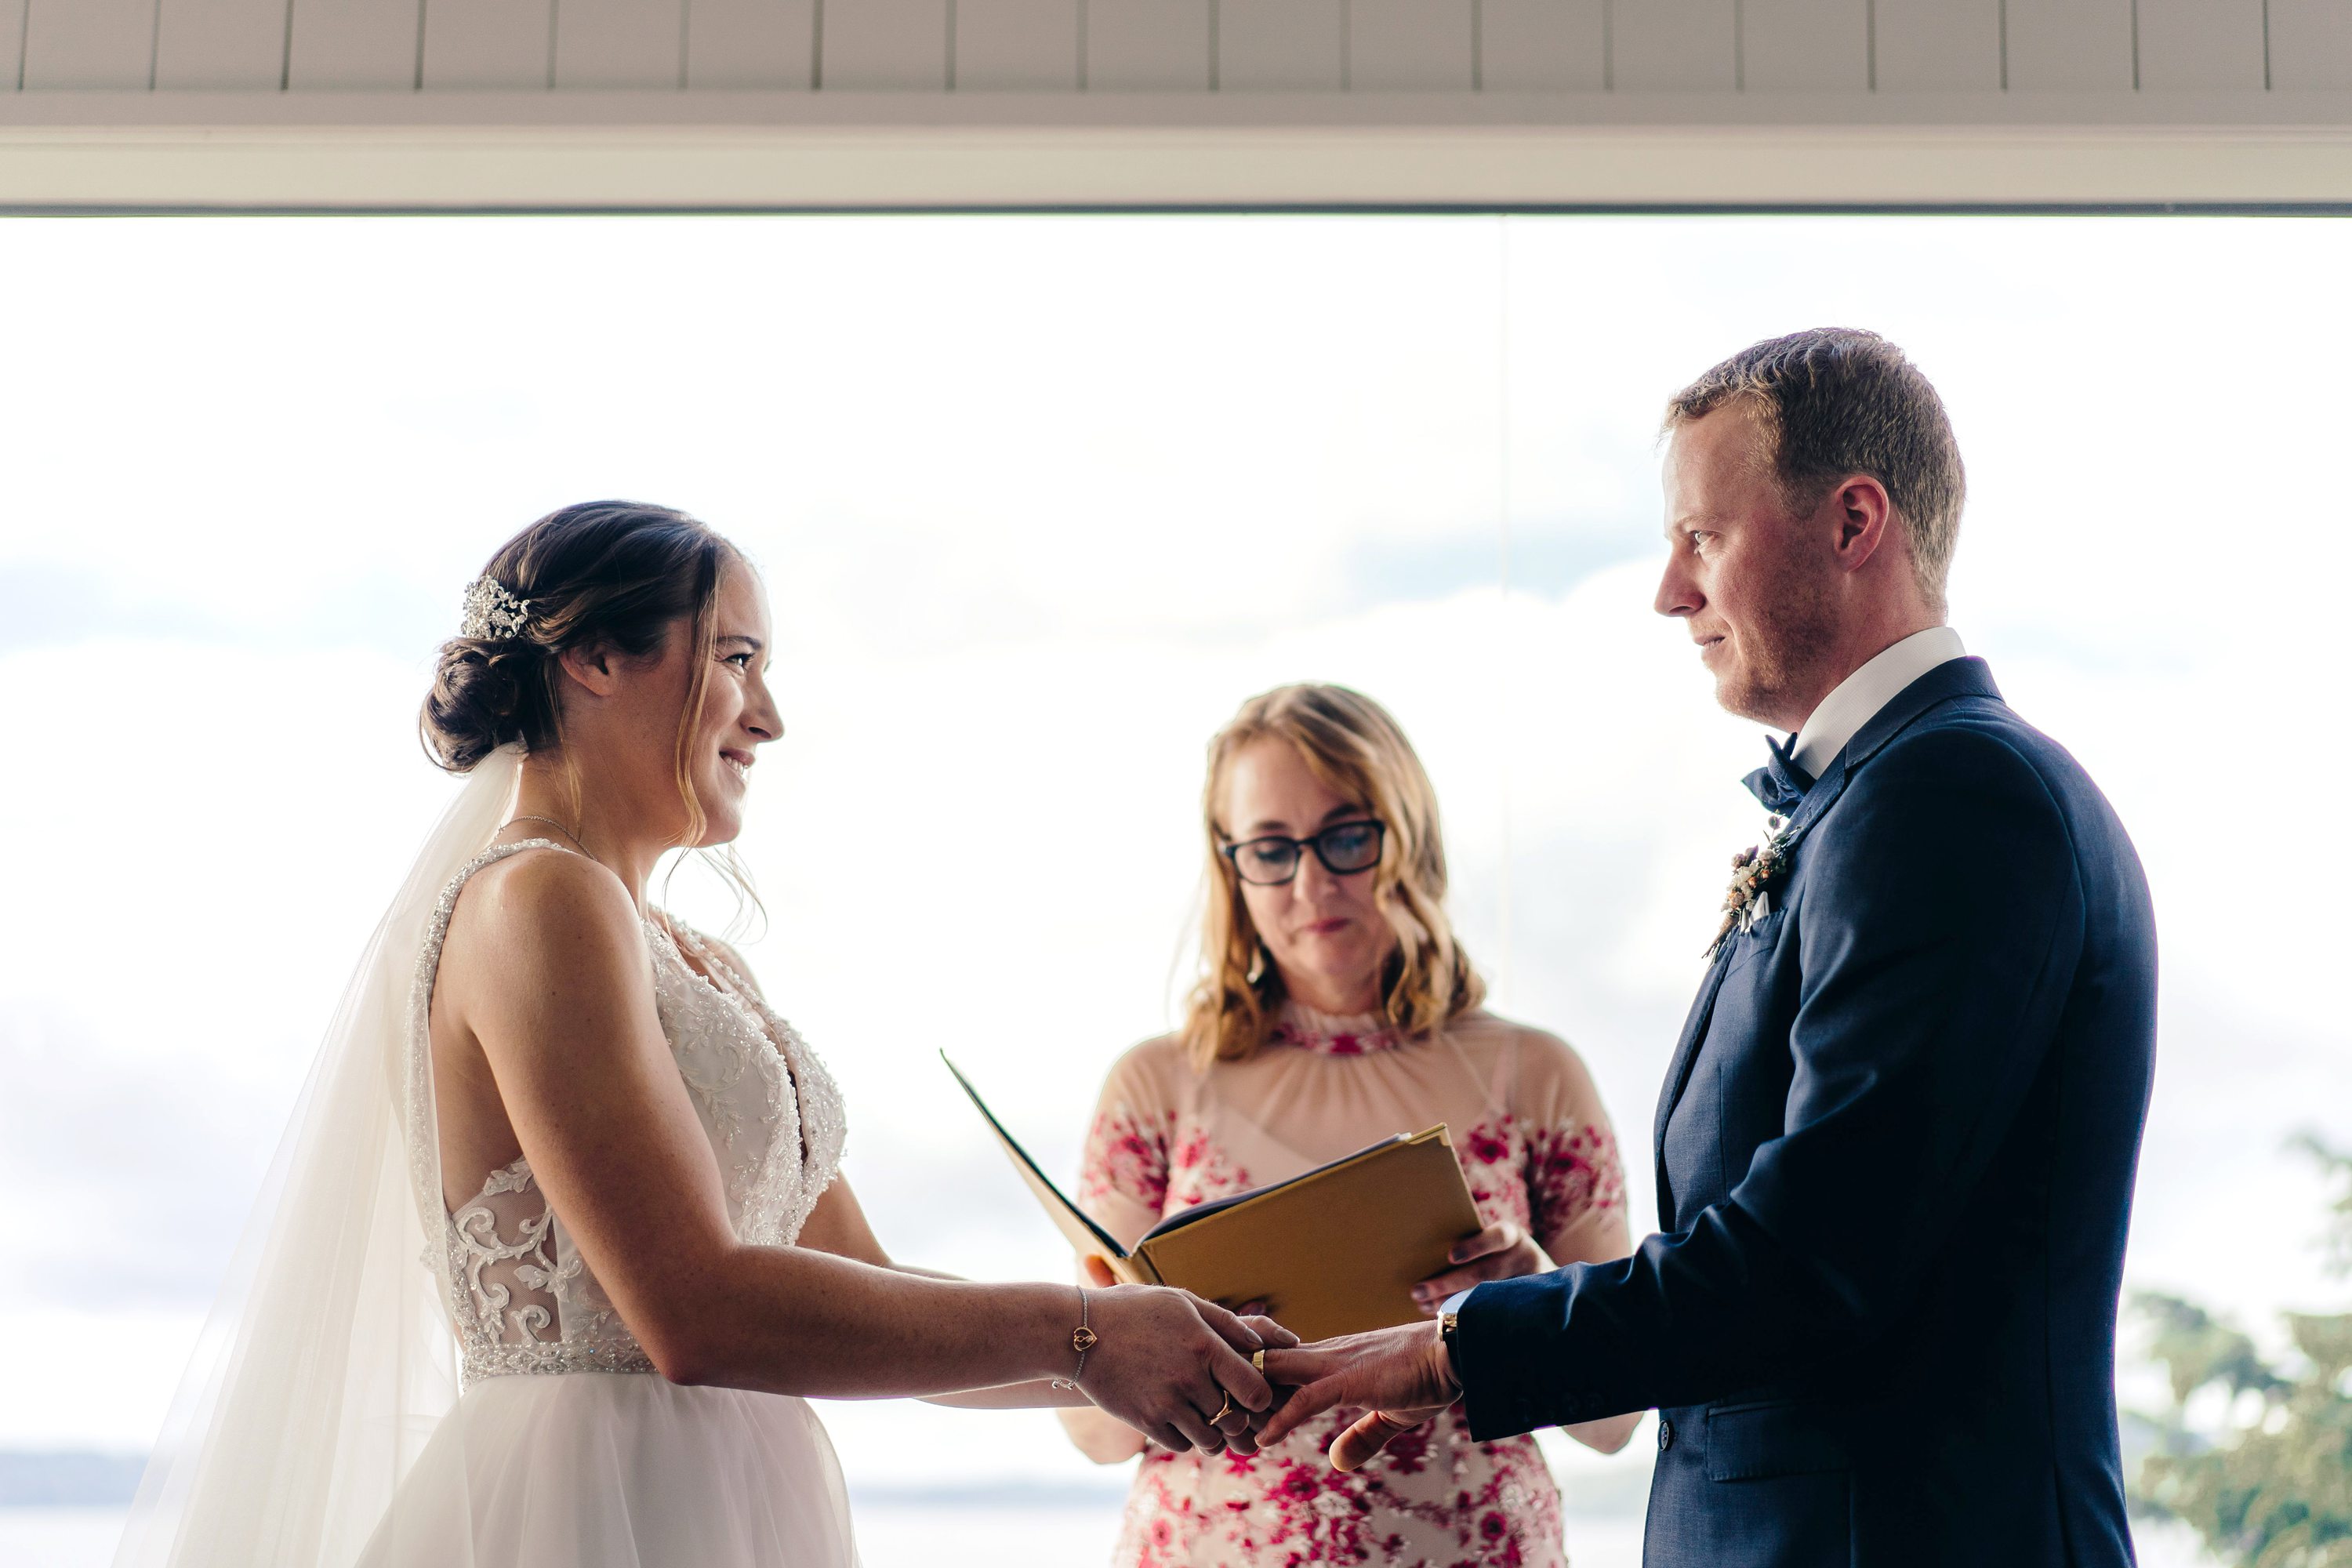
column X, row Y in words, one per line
column 1511, row 1353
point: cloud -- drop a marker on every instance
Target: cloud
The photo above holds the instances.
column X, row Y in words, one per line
column 129, row 1178
column 1545, row 562
column 52, row 604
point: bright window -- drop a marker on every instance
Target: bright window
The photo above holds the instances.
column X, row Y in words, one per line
column 1039, row 500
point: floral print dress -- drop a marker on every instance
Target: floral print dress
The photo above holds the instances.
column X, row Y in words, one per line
column 1528, row 1126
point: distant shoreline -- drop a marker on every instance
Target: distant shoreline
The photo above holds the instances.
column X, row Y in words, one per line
column 78, row 1479
column 68, row 1478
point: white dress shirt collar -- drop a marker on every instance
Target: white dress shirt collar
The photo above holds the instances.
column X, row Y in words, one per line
column 1860, row 696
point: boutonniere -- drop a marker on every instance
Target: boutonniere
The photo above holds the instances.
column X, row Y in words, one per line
column 1749, row 897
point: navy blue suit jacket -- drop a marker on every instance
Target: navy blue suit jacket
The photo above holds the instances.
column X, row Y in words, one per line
column 1894, row 1162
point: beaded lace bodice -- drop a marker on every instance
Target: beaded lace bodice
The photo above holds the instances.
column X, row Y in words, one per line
column 520, row 1294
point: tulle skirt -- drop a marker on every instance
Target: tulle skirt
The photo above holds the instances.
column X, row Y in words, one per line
column 619, row 1470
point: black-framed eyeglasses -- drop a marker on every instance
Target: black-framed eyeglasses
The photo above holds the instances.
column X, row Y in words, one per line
column 1344, row 847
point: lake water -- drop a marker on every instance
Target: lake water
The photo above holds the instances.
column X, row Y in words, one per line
column 889, row 1536
column 899, row 1535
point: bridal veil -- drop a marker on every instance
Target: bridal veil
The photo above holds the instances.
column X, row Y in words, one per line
column 328, row 1360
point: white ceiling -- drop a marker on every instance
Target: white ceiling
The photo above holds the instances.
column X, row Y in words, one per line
column 721, row 103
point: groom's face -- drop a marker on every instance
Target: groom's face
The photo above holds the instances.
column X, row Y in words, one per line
column 1741, row 570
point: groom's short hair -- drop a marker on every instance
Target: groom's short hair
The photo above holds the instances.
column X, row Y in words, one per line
column 1832, row 401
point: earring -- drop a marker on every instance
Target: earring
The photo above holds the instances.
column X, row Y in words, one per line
column 1258, row 962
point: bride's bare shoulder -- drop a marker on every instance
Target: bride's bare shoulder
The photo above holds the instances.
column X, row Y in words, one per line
column 542, row 908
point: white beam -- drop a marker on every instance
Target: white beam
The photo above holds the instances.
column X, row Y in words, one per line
column 628, row 151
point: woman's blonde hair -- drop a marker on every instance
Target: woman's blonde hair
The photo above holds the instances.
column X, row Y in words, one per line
column 1351, row 743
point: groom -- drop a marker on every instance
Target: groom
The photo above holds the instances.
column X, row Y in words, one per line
column 1896, row 1144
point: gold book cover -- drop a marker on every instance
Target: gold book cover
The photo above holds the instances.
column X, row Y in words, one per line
column 1335, row 1250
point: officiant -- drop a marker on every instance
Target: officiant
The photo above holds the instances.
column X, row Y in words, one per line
column 1334, row 1009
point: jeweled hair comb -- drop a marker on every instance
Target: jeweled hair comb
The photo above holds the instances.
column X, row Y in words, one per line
column 491, row 611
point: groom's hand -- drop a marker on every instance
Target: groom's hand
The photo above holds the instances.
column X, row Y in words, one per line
column 1403, row 1373
column 1241, row 1429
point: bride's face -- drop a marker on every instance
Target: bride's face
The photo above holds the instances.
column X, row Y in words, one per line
column 738, row 716
column 627, row 714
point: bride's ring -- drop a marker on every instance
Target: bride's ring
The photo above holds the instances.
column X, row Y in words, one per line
column 1223, row 1410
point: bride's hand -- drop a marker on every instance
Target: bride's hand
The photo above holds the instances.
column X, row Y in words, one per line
column 1242, row 1426
column 1501, row 1251
column 1165, row 1361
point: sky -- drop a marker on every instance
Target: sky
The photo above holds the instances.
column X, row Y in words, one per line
column 1038, row 501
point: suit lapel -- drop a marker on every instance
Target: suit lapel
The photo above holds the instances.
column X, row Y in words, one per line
column 1818, row 800
column 1959, row 677
column 1678, row 1074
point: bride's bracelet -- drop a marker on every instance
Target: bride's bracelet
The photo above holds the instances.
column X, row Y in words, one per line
column 1082, row 1339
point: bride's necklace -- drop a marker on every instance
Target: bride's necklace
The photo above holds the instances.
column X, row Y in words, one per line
column 567, row 832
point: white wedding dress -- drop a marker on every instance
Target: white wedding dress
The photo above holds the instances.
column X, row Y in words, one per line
column 383, row 1384
column 566, row 1449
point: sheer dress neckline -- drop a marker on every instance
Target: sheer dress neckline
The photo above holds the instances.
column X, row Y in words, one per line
column 1334, row 1034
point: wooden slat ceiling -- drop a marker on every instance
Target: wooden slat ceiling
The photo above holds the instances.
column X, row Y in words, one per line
column 1477, row 102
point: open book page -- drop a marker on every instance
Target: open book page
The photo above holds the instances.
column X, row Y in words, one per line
column 1085, row 1237
column 1215, row 1206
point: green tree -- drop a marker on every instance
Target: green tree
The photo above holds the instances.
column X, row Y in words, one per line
column 2267, row 1480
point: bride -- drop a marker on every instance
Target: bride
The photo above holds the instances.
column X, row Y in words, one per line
column 618, row 1165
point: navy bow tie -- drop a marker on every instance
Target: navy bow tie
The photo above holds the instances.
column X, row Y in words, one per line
column 1780, row 784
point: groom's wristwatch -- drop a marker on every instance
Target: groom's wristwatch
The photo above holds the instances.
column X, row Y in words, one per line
column 1449, row 1326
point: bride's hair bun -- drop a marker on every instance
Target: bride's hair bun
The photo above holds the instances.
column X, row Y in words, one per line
column 609, row 574
column 481, row 687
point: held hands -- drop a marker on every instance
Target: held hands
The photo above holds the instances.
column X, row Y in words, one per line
column 1403, row 1374
column 1177, row 1368
column 1501, row 1251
